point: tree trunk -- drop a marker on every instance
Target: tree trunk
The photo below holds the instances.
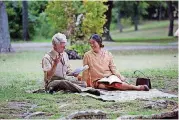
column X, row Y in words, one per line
column 108, row 14
column 25, row 33
column 160, row 12
column 119, row 21
column 171, row 18
column 5, row 45
column 136, row 15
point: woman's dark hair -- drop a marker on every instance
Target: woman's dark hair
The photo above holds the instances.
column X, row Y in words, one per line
column 98, row 39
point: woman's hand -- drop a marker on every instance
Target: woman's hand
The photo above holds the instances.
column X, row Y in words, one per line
column 122, row 78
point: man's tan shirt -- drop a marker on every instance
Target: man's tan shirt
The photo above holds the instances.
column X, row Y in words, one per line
column 63, row 67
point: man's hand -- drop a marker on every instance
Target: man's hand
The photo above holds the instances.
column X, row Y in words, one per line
column 75, row 75
column 56, row 60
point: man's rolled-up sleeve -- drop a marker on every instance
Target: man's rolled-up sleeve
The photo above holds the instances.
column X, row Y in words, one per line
column 46, row 65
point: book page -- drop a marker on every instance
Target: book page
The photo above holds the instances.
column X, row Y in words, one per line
column 114, row 78
column 111, row 79
column 79, row 70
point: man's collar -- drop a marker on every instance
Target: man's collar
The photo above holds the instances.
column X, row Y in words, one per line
column 53, row 53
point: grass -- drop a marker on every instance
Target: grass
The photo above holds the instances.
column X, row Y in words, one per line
column 148, row 31
column 39, row 39
column 150, row 25
column 145, row 39
column 21, row 72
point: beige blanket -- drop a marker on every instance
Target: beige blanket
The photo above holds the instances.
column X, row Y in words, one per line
column 123, row 96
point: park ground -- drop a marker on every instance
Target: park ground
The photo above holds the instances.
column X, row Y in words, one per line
column 21, row 72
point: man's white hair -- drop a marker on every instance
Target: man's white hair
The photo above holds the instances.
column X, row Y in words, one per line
column 59, row 37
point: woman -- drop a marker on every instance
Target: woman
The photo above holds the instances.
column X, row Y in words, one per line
column 101, row 65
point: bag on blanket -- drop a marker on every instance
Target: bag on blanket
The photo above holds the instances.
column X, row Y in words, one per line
column 143, row 81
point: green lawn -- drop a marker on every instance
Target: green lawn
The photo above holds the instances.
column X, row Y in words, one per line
column 148, row 31
column 21, row 72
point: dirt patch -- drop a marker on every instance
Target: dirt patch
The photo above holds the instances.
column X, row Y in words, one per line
column 16, row 109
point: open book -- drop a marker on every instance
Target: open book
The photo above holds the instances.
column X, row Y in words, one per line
column 111, row 79
column 79, row 70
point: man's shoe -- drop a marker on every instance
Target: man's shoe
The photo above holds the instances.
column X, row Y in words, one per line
column 51, row 91
column 93, row 91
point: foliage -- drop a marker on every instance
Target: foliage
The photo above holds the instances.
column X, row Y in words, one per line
column 43, row 28
column 153, row 10
column 14, row 12
column 36, row 7
column 80, row 47
column 94, row 17
column 63, row 15
column 126, row 22
column 126, row 9
column 38, row 25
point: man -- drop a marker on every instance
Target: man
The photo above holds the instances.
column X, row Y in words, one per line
column 56, row 68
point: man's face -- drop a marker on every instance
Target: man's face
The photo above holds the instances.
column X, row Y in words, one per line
column 60, row 47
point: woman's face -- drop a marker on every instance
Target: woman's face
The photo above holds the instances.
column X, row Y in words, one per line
column 94, row 45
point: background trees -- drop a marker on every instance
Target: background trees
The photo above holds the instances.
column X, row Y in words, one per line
column 14, row 12
column 25, row 33
column 41, row 24
column 63, row 16
column 171, row 17
column 129, row 13
column 108, row 14
column 78, row 20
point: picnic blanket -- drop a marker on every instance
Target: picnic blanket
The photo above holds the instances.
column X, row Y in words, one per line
column 123, row 96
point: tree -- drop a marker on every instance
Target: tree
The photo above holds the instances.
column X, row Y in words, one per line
column 139, row 9
column 37, row 23
column 136, row 15
column 14, row 12
column 120, row 27
column 63, row 15
column 156, row 10
column 129, row 11
column 108, row 14
column 171, row 18
column 25, row 33
column 94, row 19
column 5, row 45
